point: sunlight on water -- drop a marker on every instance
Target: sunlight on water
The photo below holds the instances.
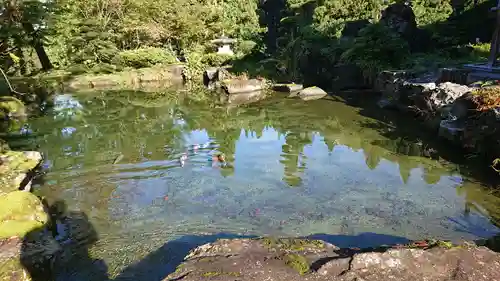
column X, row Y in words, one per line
column 147, row 175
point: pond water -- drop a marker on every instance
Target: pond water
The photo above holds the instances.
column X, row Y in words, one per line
column 141, row 167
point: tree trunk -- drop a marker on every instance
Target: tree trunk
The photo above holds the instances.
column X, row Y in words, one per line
column 38, row 46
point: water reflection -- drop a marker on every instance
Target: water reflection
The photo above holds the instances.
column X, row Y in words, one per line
column 144, row 165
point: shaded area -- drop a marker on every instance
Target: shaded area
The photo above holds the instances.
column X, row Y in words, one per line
column 305, row 46
column 404, row 131
column 75, row 234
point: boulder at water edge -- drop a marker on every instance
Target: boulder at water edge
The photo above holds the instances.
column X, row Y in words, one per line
column 20, row 213
column 298, row 259
column 31, row 255
column 26, row 248
column 312, row 93
column 11, row 107
column 240, row 86
column 15, row 168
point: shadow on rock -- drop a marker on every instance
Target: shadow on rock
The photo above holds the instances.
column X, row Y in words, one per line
column 51, row 253
column 164, row 261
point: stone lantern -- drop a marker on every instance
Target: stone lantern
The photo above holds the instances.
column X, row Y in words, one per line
column 223, row 44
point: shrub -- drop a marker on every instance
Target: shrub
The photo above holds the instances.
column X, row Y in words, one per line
column 377, row 47
column 245, row 46
column 144, row 57
column 214, row 59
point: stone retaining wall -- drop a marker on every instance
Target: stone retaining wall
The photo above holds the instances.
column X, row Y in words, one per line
column 445, row 104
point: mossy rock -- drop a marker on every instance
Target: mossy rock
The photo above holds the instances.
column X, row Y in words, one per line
column 292, row 244
column 14, row 165
column 10, row 106
column 20, row 213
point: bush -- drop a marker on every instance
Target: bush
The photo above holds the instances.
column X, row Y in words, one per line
column 377, row 47
column 245, row 47
column 144, row 57
column 214, row 59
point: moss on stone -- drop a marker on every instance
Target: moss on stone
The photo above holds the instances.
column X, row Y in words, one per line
column 291, row 244
column 445, row 244
column 298, row 262
column 10, row 106
column 20, row 213
column 13, row 165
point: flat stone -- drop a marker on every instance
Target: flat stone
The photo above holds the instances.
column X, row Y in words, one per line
column 239, row 86
column 288, row 88
column 312, row 93
column 297, row 259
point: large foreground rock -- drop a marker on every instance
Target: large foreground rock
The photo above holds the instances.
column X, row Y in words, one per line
column 21, row 259
column 26, row 247
column 20, row 213
column 296, row 259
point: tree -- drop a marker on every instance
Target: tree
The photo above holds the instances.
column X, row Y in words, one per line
column 22, row 24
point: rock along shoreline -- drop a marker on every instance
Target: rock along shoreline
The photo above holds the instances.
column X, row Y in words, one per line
column 298, row 259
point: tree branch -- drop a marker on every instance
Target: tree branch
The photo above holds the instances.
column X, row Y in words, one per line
column 8, row 83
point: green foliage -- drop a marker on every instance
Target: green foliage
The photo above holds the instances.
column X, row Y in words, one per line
column 180, row 26
column 431, row 11
column 91, row 45
column 94, row 35
column 376, row 48
column 214, row 59
column 198, row 60
column 144, row 57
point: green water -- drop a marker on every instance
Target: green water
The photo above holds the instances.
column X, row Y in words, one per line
column 293, row 168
